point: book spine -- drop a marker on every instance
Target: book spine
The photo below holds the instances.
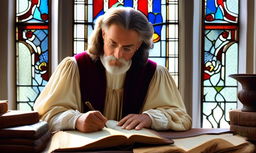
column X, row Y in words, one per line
column 33, row 131
column 3, row 106
column 26, row 141
column 19, row 120
column 237, row 117
column 249, row 132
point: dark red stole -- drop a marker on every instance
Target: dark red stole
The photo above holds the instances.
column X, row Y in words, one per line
column 93, row 84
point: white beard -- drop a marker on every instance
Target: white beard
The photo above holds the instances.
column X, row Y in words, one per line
column 121, row 68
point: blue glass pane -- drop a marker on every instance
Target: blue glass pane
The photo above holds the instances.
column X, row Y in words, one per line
column 219, row 90
column 32, row 11
column 221, row 11
column 32, row 56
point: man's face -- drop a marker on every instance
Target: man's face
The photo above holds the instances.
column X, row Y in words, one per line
column 120, row 43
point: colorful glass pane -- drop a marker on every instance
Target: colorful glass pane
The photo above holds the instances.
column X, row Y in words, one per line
column 32, row 55
column 220, row 59
column 221, row 11
column 161, row 13
column 32, row 11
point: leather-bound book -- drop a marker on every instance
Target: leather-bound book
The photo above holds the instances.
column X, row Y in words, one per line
column 237, row 117
column 17, row 118
column 32, row 131
column 24, row 148
column 26, row 141
column 28, row 138
column 3, row 106
column 25, row 145
column 246, row 131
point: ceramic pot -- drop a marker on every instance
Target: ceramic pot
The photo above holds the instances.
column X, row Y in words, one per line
column 247, row 95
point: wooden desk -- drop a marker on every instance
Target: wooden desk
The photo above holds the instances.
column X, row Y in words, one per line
column 192, row 132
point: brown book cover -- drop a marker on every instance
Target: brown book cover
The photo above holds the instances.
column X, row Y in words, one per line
column 32, row 131
column 17, row 118
column 237, row 117
column 14, row 145
column 246, row 131
column 22, row 148
column 3, row 106
column 26, row 141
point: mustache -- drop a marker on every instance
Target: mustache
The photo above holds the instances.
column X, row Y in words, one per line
column 113, row 61
column 115, row 65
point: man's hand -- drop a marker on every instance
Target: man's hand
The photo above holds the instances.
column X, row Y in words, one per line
column 91, row 121
column 135, row 121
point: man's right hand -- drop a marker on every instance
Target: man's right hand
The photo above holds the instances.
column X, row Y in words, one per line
column 91, row 121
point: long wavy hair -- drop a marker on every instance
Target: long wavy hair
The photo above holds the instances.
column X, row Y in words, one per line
column 129, row 19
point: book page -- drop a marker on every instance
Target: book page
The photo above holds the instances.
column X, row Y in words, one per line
column 193, row 142
column 196, row 144
column 144, row 132
column 79, row 140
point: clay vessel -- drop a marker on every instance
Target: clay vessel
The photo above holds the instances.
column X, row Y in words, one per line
column 247, row 95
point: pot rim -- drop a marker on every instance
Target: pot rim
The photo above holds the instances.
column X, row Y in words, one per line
column 243, row 75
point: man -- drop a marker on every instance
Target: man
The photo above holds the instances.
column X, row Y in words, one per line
column 117, row 78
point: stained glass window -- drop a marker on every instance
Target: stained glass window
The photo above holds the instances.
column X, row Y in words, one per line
column 220, row 59
column 32, row 54
column 163, row 14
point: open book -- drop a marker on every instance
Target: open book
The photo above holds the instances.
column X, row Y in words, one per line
column 110, row 136
column 207, row 143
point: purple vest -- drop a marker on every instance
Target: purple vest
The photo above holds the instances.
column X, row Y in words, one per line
column 93, row 84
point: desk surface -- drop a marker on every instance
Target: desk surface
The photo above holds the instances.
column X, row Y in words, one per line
column 192, row 132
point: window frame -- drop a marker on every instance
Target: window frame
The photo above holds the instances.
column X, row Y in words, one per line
column 61, row 46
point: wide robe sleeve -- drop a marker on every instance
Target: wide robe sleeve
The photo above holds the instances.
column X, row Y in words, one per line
column 60, row 101
column 164, row 103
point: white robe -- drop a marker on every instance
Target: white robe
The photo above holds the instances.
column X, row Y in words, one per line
column 60, row 102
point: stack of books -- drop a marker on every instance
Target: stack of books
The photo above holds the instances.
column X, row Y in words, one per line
column 243, row 123
column 3, row 106
column 22, row 131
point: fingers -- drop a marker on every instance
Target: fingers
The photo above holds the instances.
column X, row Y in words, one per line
column 132, row 125
column 135, row 121
column 122, row 121
column 96, row 118
column 130, row 122
column 91, row 121
column 102, row 118
column 140, row 126
column 95, row 121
